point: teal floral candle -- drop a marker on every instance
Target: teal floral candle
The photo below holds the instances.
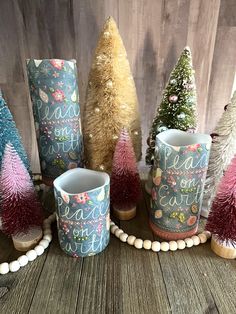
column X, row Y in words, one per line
column 54, row 93
column 83, row 211
column 181, row 161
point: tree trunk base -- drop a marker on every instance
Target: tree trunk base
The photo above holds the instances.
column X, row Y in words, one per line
column 222, row 250
column 124, row 214
column 23, row 242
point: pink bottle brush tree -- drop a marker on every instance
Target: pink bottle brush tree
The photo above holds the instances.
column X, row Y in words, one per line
column 222, row 218
column 20, row 207
column 125, row 181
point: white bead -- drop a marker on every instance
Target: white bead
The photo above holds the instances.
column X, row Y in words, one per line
column 47, row 231
column 39, row 250
column 123, row 237
column 112, row 223
column 44, row 243
column 173, row 245
column 47, row 237
column 32, row 255
column 14, row 266
column 118, row 232
column 4, row 268
column 195, row 239
column 42, row 186
column 165, row 246
column 147, row 244
column 46, row 222
column 202, row 237
column 138, row 243
column 23, row 260
column 52, row 217
column 156, row 246
column 131, row 240
column 37, row 188
column 181, row 244
column 189, row 242
column 114, row 228
column 207, row 233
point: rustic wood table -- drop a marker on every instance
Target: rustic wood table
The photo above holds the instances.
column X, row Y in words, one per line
column 122, row 279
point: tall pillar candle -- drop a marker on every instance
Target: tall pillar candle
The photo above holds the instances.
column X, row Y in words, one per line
column 181, row 161
column 55, row 98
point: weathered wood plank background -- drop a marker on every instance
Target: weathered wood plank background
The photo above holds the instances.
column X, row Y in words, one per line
column 154, row 33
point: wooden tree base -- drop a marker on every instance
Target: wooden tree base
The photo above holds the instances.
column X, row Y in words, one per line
column 124, row 214
column 221, row 249
column 26, row 241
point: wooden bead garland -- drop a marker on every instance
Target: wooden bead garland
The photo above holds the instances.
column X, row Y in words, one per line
column 157, row 246
column 31, row 255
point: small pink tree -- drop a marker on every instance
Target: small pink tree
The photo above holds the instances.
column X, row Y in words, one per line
column 125, row 181
column 20, row 207
column 222, row 218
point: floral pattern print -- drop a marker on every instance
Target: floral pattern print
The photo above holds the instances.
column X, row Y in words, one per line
column 54, row 93
column 176, row 199
column 83, row 221
column 82, row 198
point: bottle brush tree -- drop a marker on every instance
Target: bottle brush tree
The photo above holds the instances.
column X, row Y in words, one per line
column 9, row 132
column 20, row 207
column 222, row 217
column 125, row 181
column 223, row 149
column 178, row 105
column 111, row 101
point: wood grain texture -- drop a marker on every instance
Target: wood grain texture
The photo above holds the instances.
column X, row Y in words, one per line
column 121, row 279
column 154, row 33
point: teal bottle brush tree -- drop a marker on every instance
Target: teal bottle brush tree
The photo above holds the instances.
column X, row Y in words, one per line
column 9, row 133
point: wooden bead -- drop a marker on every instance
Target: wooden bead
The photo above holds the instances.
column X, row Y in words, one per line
column 32, row 255
column 39, row 250
column 165, row 246
column 118, row 232
column 123, row 237
column 131, row 240
column 189, row 242
column 173, row 245
column 47, row 231
column 114, row 228
column 202, row 237
column 181, row 244
column 47, row 237
column 195, row 239
column 14, row 266
column 44, row 243
column 207, row 233
column 4, row 268
column 147, row 244
column 112, row 223
column 156, row 246
column 23, row 260
column 138, row 243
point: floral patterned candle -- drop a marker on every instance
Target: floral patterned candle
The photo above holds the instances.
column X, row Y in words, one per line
column 181, row 161
column 83, row 211
column 54, row 93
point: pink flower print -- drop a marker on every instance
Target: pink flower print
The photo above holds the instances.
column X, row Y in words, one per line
column 81, row 198
column 99, row 228
column 154, row 194
column 58, row 95
column 58, row 64
column 60, row 84
column 194, row 148
column 55, row 74
column 65, row 197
